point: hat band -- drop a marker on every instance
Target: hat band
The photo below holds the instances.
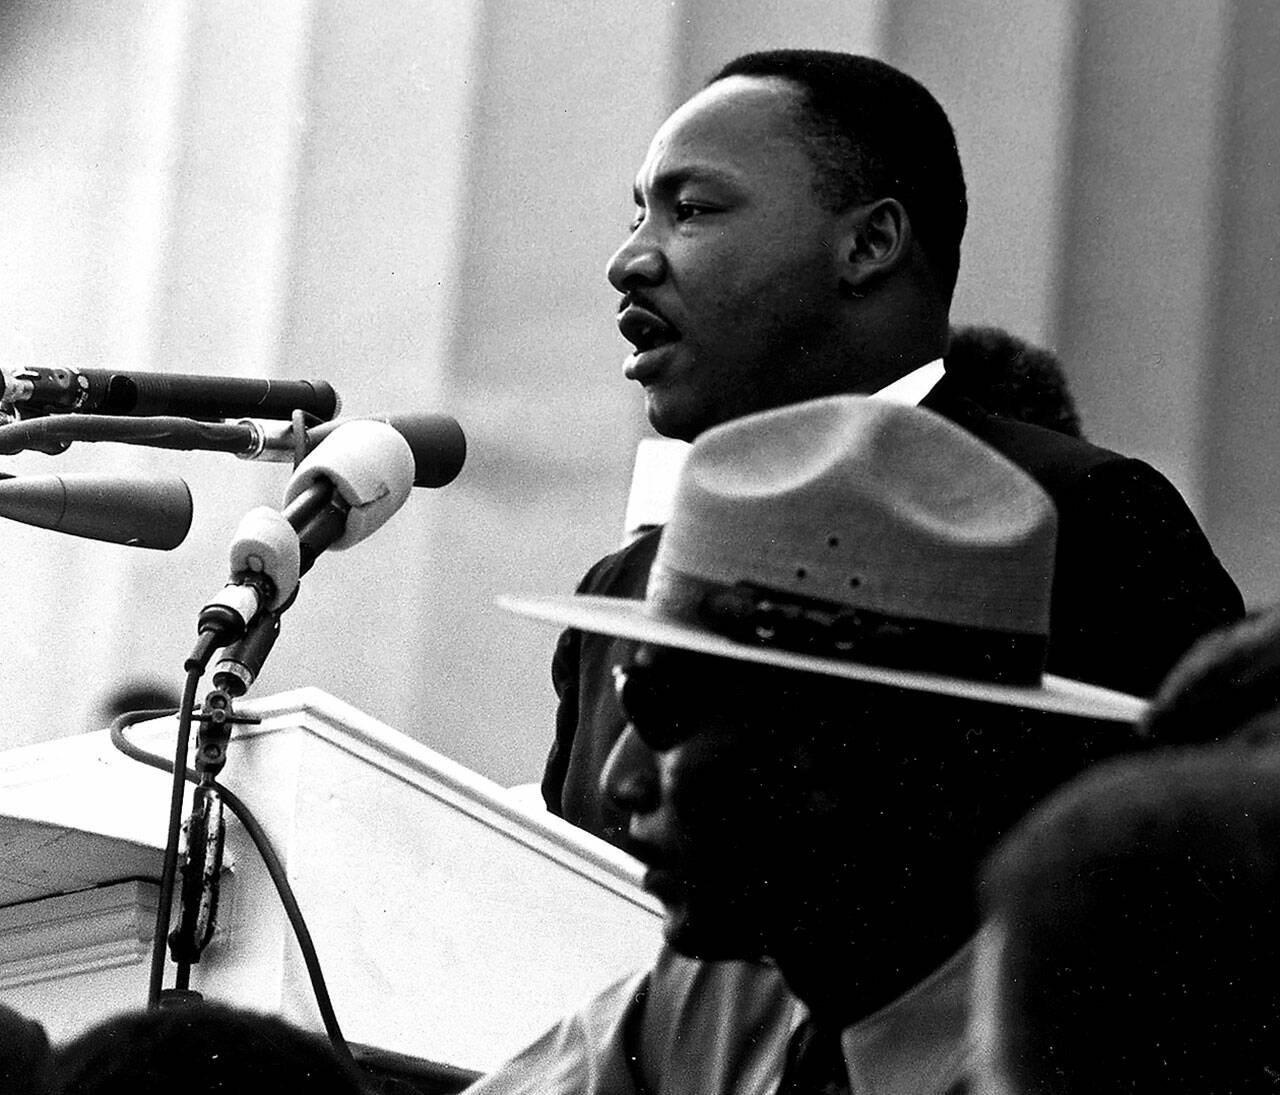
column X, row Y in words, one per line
column 759, row 616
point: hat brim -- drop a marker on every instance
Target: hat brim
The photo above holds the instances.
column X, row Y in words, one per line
column 629, row 619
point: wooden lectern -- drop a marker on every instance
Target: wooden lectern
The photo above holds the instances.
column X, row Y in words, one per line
column 453, row 923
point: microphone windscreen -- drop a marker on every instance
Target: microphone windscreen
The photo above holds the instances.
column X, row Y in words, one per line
column 437, row 442
column 371, row 468
column 265, row 543
column 138, row 512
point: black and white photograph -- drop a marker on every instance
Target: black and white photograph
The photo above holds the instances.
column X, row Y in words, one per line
column 687, row 547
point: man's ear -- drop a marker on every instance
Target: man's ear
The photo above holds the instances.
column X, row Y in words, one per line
column 875, row 241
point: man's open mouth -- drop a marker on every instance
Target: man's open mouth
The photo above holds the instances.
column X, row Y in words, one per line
column 645, row 330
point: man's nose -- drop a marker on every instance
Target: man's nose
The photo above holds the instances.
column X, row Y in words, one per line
column 629, row 778
column 639, row 261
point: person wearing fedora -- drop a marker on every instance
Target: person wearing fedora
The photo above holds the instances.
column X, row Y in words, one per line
column 798, row 235
column 835, row 704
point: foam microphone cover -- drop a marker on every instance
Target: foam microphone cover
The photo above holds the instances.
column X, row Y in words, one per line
column 371, row 467
column 138, row 512
column 265, row 543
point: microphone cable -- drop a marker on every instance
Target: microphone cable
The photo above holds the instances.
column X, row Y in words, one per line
column 194, row 666
column 54, row 433
column 261, row 841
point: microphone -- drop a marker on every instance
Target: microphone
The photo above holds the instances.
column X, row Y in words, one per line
column 44, row 390
column 136, row 511
column 344, row 491
column 437, row 442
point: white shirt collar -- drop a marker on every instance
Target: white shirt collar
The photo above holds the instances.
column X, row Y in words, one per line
column 917, row 1045
column 913, row 387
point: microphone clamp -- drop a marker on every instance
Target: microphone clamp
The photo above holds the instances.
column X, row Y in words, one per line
column 216, row 720
column 228, row 614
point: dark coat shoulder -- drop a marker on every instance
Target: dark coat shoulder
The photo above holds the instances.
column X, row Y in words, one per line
column 1135, row 580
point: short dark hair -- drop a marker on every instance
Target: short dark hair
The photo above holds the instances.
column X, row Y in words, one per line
column 875, row 132
column 1139, row 908
column 202, row 1046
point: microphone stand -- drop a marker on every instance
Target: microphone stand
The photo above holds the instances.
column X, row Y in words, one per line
column 206, row 832
column 206, row 837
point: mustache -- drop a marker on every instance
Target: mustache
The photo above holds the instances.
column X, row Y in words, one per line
column 640, row 300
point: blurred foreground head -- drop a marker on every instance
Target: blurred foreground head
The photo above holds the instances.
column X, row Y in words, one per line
column 24, row 1055
column 1230, row 679
column 1130, row 937
column 197, row 1048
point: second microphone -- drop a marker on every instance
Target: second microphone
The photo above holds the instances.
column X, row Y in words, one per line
column 345, row 490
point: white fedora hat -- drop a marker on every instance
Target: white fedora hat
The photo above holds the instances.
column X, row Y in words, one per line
column 856, row 538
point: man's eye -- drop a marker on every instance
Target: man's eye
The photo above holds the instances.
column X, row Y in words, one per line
column 636, row 221
column 687, row 210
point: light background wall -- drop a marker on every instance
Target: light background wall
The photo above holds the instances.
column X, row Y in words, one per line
column 415, row 202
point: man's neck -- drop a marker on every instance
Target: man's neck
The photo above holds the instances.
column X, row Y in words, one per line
column 894, row 331
column 850, row 970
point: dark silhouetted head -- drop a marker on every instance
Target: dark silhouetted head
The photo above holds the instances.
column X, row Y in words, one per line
column 1130, row 940
column 199, row 1047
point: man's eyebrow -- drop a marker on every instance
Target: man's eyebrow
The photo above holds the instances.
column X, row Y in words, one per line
column 666, row 182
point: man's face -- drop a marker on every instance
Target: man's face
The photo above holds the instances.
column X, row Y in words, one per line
column 711, row 810
column 744, row 832
column 729, row 283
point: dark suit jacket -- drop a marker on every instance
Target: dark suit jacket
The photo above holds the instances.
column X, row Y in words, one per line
column 1135, row 583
